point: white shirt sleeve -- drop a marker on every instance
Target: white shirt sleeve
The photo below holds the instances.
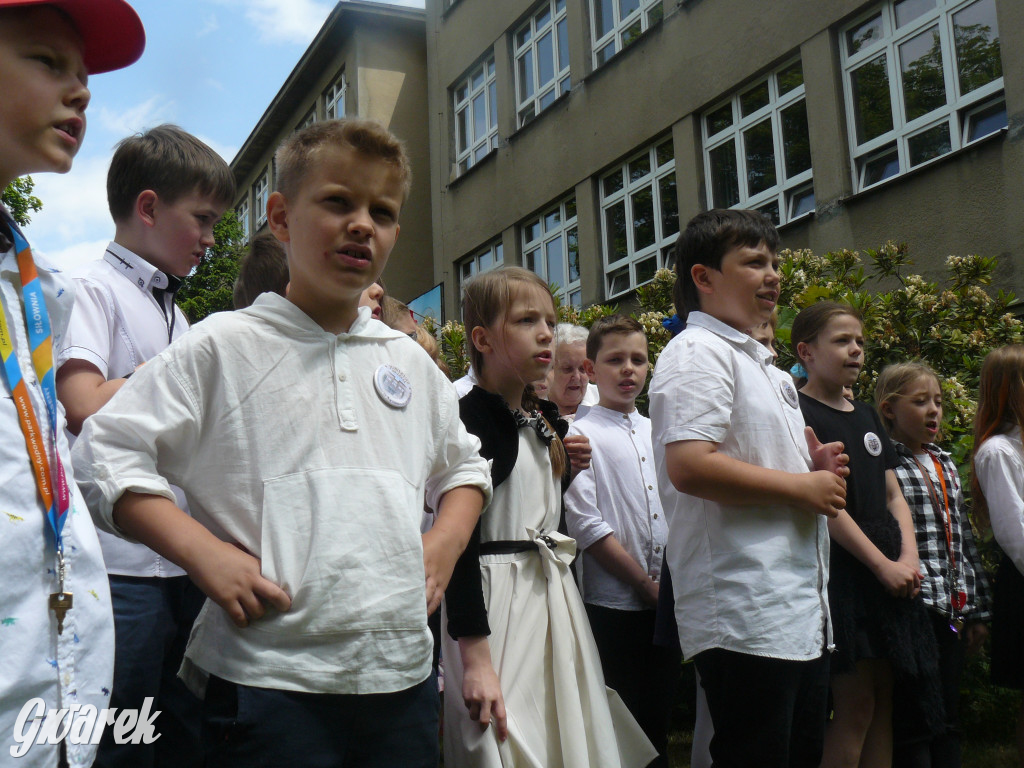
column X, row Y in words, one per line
column 458, row 459
column 1000, row 469
column 89, row 334
column 152, row 415
column 583, row 519
column 691, row 395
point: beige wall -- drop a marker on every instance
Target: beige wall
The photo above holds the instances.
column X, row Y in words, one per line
column 385, row 67
column 701, row 52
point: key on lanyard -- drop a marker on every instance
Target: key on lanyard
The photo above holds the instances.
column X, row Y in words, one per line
column 60, row 601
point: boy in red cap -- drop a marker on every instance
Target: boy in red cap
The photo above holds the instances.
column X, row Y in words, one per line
column 56, row 628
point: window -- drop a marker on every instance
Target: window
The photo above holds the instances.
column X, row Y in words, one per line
column 614, row 24
column 551, row 249
column 242, row 213
column 922, row 78
column 476, row 115
column 639, row 218
column 334, row 99
column 542, row 60
column 308, row 120
column 757, row 152
column 490, row 257
column 259, row 196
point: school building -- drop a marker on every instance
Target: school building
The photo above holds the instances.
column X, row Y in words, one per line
column 573, row 136
column 368, row 59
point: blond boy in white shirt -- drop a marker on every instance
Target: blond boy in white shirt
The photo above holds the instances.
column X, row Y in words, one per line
column 614, row 512
column 288, row 425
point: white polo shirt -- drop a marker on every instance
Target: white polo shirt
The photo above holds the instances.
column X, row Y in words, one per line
column 117, row 324
column 748, row 578
column 617, row 494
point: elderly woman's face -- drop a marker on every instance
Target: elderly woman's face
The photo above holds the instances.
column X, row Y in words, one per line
column 568, row 379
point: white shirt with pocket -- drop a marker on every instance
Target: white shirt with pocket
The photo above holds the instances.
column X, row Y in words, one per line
column 306, row 449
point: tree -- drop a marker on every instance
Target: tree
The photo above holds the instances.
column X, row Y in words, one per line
column 19, row 200
column 208, row 288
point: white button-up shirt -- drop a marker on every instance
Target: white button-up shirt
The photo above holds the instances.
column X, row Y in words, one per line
column 294, row 443
column 999, row 462
column 117, row 325
column 76, row 667
column 748, row 578
column 618, row 495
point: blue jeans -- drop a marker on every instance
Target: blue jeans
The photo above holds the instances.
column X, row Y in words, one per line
column 247, row 727
column 152, row 621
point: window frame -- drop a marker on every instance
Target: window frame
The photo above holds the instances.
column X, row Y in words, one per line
column 571, row 293
column 661, row 248
column 468, row 267
column 335, row 95
column 466, row 159
column 956, row 113
column 786, row 191
column 260, row 194
column 561, row 81
column 648, row 13
column 242, row 214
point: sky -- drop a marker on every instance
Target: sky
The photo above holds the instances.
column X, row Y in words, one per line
column 210, row 66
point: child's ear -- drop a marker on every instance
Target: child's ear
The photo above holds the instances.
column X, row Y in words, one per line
column 277, row 216
column 145, row 206
column 885, row 407
column 803, row 351
column 481, row 340
column 701, row 276
column 588, row 368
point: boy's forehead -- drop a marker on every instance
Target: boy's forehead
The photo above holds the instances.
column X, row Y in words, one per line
column 622, row 339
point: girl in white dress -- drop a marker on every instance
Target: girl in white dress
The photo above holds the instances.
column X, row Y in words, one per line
column 553, row 708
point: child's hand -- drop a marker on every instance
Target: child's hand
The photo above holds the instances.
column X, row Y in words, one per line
column 823, row 492
column 899, row 579
column 828, row 457
column 975, row 635
column 439, row 556
column 649, row 591
column 481, row 689
column 578, row 448
column 912, row 561
column 231, row 577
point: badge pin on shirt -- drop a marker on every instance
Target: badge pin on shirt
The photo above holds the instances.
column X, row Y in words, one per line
column 392, row 385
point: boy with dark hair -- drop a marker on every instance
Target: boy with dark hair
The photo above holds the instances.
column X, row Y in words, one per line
column 56, row 629
column 288, row 424
column 747, row 541
column 264, row 268
column 614, row 512
column 166, row 189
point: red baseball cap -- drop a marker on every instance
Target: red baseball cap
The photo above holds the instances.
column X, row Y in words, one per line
column 111, row 31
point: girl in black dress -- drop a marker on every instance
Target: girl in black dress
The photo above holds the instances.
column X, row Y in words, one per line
column 880, row 632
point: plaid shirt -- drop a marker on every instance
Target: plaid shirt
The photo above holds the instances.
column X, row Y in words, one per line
column 930, row 528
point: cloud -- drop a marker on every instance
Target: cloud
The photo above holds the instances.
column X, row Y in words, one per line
column 155, row 110
column 74, row 257
column 74, row 211
column 226, row 151
column 293, row 22
column 210, row 24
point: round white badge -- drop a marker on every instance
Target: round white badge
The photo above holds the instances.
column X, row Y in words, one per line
column 872, row 443
column 789, row 392
column 392, row 386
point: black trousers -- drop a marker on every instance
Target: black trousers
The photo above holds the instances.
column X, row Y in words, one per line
column 644, row 675
column 768, row 713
